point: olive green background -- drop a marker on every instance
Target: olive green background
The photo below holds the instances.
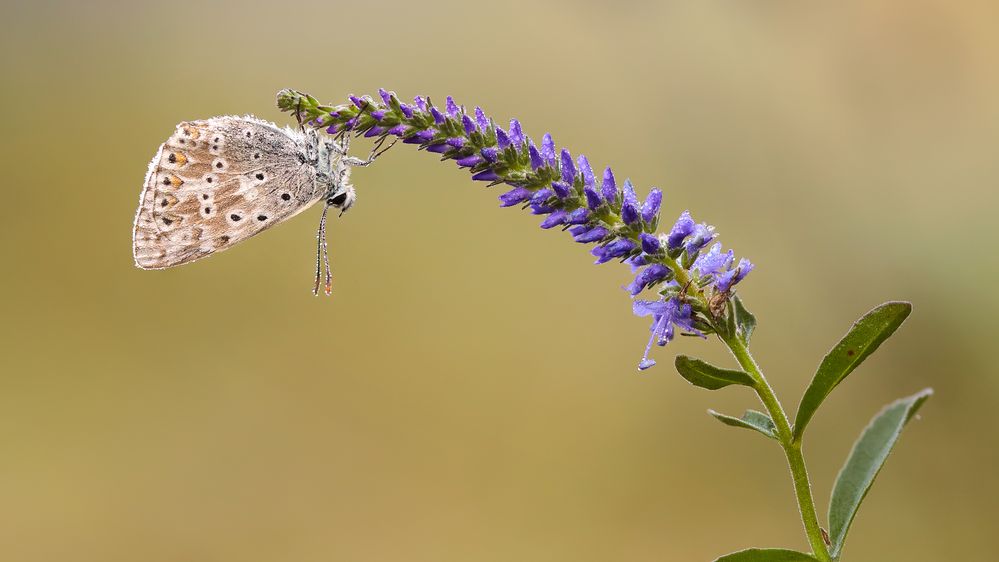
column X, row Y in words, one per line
column 470, row 391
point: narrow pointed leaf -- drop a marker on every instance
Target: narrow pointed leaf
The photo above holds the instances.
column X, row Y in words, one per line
column 862, row 340
column 866, row 459
column 705, row 375
column 750, row 420
column 744, row 320
column 767, row 555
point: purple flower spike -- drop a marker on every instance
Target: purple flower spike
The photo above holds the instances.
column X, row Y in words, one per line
column 554, row 219
column 629, row 208
column 683, row 228
column 649, row 276
column 561, row 189
column 585, row 234
column 468, row 124
column 548, row 149
column 421, row 103
column 486, row 175
column 386, row 96
column 587, row 172
column 568, row 168
column 501, row 138
column 650, row 243
column 579, row 216
column 406, row 110
column 516, row 133
column 536, row 161
column 481, row 119
column 438, row 116
column 515, row 196
column 651, row 207
column 469, row 161
column 451, row 107
column 592, row 198
column 609, row 187
column 616, row 249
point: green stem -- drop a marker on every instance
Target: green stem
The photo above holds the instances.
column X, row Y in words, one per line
column 792, row 449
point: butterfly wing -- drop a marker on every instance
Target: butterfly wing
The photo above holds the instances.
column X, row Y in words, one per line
column 215, row 183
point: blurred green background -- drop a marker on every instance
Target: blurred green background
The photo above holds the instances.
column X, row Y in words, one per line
column 470, row 392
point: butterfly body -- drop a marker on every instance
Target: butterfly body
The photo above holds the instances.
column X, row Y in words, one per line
column 217, row 182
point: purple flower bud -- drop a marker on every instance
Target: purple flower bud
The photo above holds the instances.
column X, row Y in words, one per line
column 361, row 104
column 421, row 103
column 451, row 107
column 456, row 142
column 548, row 149
column 406, row 110
column 378, row 114
column 485, row 175
column 587, row 172
column 592, row 198
column 648, row 277
column 609, row 187
column 481, row 119
column 501, row 138
column 554, row 219
column 374, row 132
column 579, row 216
column 629, row 208
column 516, row 133
column 469, row 125
column 702, row 235
column 536, row 161
column 398, row 130
column 683, row 227
column 539, row 200
column 651, row 207
column 584, row 234
column 489, row 153
column 561, row 189
column 616, row 249
column 515, row 196
column 636, row 262
column 420, row 137
column 439, row 148
column 727, row 279
column 469, row 161
column 650, row 243
column 386, row 96
column 438, row 116
column 568, row 168
column 332, row 129
column 349, row 125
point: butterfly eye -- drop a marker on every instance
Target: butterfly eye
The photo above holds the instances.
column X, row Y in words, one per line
column 338, row 200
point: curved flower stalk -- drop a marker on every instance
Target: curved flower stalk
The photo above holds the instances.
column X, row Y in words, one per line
column 693, row 279
column 688, row 271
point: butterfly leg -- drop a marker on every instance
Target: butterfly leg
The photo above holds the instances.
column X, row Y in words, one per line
column 376, row 151
column 322, row 256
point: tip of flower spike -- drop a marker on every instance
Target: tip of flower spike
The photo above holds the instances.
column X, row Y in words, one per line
column 646, row 363
column 451, row 107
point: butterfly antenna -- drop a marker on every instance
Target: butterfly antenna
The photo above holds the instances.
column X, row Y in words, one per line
column 298, row 115
column 322, row 256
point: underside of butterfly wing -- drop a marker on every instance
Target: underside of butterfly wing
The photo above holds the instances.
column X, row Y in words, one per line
column 217, row 182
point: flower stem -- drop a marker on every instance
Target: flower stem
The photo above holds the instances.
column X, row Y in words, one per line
column 792, row 449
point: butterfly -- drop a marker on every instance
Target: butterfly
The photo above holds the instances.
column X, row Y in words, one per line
column 217, row 182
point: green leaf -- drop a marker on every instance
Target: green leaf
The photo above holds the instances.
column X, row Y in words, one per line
column 767, row 555
column 705, row 375
column 865, row 461
column 744, row 319
column 750, row 420
column 862, row 340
